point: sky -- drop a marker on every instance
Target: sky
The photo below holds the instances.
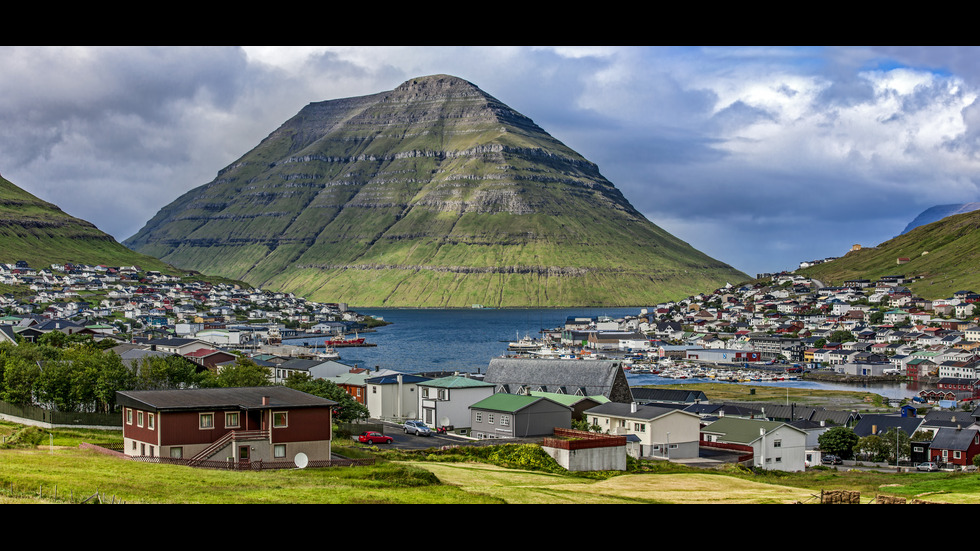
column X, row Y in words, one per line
column 759, row 156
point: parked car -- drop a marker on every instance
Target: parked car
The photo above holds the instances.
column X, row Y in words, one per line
column 374, row 437
column 927, row 466
column 831, row 459
column 417, row 427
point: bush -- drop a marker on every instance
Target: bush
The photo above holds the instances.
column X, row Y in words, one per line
column 28, row 437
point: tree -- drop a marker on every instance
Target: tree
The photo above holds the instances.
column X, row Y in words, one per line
column 872, row 448
column 347, row 409
column 903, row 446
column 167, row 372
column 244, row 372
column 839, row 441
column 19, row 379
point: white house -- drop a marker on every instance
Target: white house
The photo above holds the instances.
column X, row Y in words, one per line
column 446, row 401
column 775, row 445
column 664, row 433
column 393, row 397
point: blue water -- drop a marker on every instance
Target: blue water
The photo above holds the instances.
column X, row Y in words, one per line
column 466, row 339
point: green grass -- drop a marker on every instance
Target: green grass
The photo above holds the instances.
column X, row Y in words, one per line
column 943, row 254
column 343, row 185
column 65, row 473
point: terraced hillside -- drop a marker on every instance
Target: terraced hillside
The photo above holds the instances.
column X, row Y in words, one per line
column 433, row 194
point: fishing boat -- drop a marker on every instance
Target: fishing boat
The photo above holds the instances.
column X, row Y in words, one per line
column 344, row 341
column 527, row 344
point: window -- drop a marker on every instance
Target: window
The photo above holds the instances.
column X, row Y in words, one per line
column 443, row 394
column 479, row 417
column 490, row 418
column 134, row 445
column 425, row 392
column 956, row 454
column 231, row 419
column 279, row 419
column 639, row 427
column 777, row 443
column 206, row 420
column 139, row 418
column 129, row 416
column 177, row 452
column 279, row 451
column 505, row 420
column 150, row 418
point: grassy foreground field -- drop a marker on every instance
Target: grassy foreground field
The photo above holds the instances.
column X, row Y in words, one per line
column 57, row 471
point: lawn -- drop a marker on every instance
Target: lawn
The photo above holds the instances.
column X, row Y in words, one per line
column 58, row 471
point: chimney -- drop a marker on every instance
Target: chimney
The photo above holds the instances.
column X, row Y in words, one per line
column 874, row 429
column 632, row 407
column 265, row 400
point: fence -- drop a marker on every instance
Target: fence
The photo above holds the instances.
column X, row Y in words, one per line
column 569, row 439
column 115, row 450
column 51, row 418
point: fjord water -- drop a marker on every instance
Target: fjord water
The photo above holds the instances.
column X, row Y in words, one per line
column 466, row 339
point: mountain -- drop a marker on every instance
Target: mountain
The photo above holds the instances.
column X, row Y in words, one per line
column 41, row 234
column 939, row 212
column 434, row 194
column 943, row 256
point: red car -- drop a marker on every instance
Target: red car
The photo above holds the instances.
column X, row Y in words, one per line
column 372, row 437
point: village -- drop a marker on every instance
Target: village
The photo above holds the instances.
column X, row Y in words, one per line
column 781, row 323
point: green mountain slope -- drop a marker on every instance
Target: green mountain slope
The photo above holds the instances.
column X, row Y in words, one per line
column 944, row 255
column 41, row 234
column 433, row 194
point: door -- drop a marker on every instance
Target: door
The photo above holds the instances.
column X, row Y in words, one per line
column 243, row 456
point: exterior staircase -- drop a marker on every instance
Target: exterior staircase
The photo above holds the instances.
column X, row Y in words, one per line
column 233, row 436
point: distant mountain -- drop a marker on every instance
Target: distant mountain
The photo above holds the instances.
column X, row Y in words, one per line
column 432, row 194
column 943, row 256
column 939, row 212
column 41, row 234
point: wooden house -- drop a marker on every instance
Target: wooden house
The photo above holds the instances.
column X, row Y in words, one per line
column 238, row 425
column 956, row 446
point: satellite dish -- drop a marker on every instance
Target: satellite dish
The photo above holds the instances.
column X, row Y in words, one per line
column 301, row 460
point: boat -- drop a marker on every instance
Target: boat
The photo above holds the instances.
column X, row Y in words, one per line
column 527, row 344
column 344, row 341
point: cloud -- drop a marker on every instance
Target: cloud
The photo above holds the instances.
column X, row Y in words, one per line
column 760, row 156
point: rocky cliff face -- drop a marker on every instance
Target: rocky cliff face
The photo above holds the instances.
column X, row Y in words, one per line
column 432, row 194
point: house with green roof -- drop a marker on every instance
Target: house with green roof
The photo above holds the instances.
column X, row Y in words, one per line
column 579, row 404
column 774, row 445
column 505, row 415
column 446, row 401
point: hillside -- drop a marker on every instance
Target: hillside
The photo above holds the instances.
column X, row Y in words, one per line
column 944, row 255
column 432, row 194
column 41, row 234
column 938, row 212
